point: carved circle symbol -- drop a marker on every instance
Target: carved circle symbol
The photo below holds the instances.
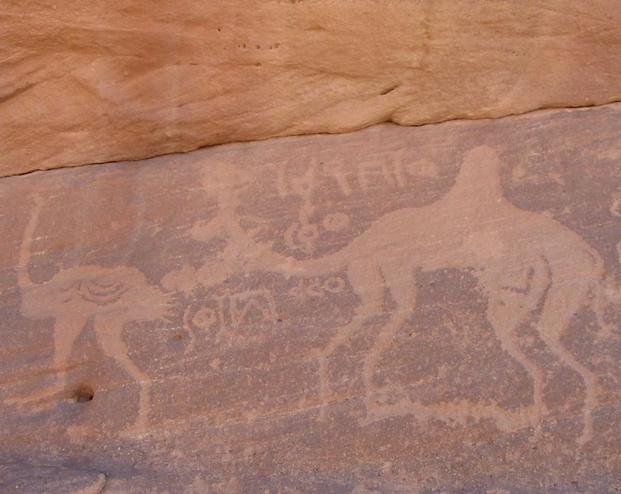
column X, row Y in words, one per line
column 302, row 236
column 335, row 222
column 334, row 285
column 204, row 318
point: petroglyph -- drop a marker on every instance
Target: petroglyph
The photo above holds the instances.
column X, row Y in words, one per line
column 112, row 297
column 241, row 254
column 467, row 229
column 523, row 261
column 317, row 287
column 393, row 169
column 615, row 208
column 243, row 305
column 231, row 311
column 430, row 342
column 303, row 234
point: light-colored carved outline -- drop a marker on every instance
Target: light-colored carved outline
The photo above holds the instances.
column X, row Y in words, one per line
column 523, row 260
column 112, row 297
column 472, row 227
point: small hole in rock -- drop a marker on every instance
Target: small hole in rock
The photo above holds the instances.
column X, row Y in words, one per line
column 83, row 393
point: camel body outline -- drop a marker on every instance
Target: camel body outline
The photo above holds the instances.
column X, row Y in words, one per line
column 458, row 231
column 521, row 259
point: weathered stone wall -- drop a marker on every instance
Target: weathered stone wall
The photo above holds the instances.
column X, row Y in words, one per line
column 397, row 310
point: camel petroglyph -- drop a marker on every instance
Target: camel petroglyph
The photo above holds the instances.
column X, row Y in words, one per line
column 112, row 297
column 523, row 261
column 472, row 227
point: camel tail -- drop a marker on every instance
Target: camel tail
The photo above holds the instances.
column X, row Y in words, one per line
column 23, row 277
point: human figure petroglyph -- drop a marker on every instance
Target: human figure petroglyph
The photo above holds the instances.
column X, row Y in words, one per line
column 241, row 254
column 304, row 234
column 112, row 297
column 472, row 227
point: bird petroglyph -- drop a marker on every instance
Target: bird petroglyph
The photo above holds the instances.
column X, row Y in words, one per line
column 112, row 297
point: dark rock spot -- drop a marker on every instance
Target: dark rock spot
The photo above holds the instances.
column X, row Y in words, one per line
column 83, row 394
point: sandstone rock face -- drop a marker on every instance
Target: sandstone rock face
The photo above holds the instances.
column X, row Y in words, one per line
column 397, row 310
column 84, row 82
column 16, row 477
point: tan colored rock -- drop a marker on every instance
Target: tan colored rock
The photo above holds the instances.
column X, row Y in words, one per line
column 396, row 310
column 84, row 82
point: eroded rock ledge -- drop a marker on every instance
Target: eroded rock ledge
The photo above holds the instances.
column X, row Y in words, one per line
column 84, row 82
column 396, row 310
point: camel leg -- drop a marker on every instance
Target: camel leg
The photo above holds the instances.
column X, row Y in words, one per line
column 109, row 335
column 505, row 314
column 560, row 306
column 66, row 331
column 402, row 287
column 368, row 284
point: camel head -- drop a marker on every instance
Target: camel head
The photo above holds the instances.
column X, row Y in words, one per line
column 478, row 178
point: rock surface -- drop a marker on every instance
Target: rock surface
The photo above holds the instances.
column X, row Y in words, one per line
column 44, row 479
column 84, row 82
column 397, row 310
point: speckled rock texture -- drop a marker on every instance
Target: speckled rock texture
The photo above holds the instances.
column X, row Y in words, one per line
column 106, row 80
column 398, row 310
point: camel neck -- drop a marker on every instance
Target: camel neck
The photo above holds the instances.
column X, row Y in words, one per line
column 477, row 182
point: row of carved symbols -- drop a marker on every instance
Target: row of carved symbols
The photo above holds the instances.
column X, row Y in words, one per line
column 392, row 169
column 315, row 287
column 303, row 234
column 232, row 310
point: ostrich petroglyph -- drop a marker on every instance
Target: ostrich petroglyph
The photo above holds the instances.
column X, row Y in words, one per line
column 112, row 297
